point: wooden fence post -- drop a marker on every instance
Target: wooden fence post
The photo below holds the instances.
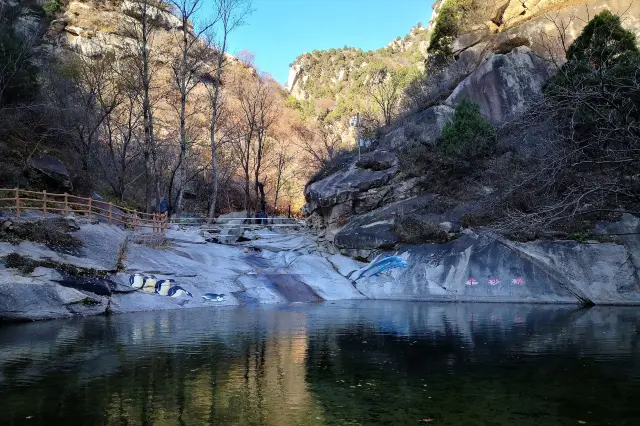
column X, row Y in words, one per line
column 66, row 204
column 17, row 202
column 89, row 208
column 44, row 203
column 110, row 213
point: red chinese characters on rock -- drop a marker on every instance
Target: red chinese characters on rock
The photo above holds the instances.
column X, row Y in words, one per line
column 472, row 282
column 517, row 281
column 494, row 281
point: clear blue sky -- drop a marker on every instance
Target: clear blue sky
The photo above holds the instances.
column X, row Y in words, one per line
column 280, row 30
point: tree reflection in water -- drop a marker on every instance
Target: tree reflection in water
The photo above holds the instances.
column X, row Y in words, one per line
column 346, row 363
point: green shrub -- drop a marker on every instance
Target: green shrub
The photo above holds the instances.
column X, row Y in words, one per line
column 597, row 87
column 51, row 7
column 447, row 27
column 604, row 43
column 469, row 134
column 292, row 103
column 414, row 230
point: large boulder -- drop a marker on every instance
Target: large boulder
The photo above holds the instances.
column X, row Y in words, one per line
column 484, row 268
column 159, row 16
column 225, row 218
column 231, row 231
column 424, row 127
column 504, row 85
column 38, row 296
column 346, row 184
column 53, row 169
column 374, row 230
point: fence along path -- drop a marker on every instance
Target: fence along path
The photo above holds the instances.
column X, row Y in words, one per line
column 19, row 200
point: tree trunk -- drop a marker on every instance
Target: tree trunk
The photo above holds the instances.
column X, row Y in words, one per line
column 214, row 170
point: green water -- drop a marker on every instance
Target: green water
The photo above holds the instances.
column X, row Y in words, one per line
column 364, row 363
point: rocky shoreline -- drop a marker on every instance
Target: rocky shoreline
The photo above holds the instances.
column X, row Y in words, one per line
column 40, row 281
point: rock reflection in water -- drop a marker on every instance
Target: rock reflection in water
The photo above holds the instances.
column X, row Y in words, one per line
column 368, row 362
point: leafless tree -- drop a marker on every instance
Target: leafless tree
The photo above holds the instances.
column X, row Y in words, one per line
column 247, row 128
column 15, row 58
column 283, row 159
column 142, row 30
column 321, row 143
column 121, row 132
column 187, row 68
column 247, row 58
column 266, row 115
column 230, row 14
column 586, row 166
column 98, row 96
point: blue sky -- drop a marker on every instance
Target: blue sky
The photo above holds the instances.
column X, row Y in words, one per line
column 280, row 30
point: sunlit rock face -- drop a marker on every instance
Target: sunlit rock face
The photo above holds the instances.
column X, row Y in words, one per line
column 482, row 268
column 504, row 85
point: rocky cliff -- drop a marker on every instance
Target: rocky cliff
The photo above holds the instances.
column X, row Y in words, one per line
column 503, row 55
column 330, row 73
column 502, row 68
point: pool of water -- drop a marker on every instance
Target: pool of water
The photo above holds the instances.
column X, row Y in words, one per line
column 347, row 363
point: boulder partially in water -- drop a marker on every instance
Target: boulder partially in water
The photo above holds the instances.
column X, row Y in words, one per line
column 486, row 268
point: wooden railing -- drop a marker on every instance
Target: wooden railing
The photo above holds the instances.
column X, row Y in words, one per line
column 19, row 200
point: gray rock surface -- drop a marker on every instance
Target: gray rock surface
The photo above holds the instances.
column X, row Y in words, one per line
column 480, row 268
column 504, row 85
column 52, row 168
column 374, row 230
column 159, row 16
column 424, row 127
column 38, row 297
column 293, row 268
column 346, row 184
column 231, row 231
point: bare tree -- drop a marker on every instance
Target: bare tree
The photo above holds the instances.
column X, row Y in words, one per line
column 247, row 58
column 98, row 96
column 187, row 69
column 142, row 30
column 321, row 143
column 266, row 115
column 120, row 135
column 17, row 73
column 587, row 165
column 230, row 14
column 283, row 159
column 247, row 128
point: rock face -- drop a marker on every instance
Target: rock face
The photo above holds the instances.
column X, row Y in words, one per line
column 159, row 16
column 498, row 65
column 53, row 169
column 481, row 268
column 424, row 127
column 95, row 278
column 344, row 185
column 232, row 231
column 504, row 84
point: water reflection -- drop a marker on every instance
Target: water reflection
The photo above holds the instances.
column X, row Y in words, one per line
column 367, row 362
